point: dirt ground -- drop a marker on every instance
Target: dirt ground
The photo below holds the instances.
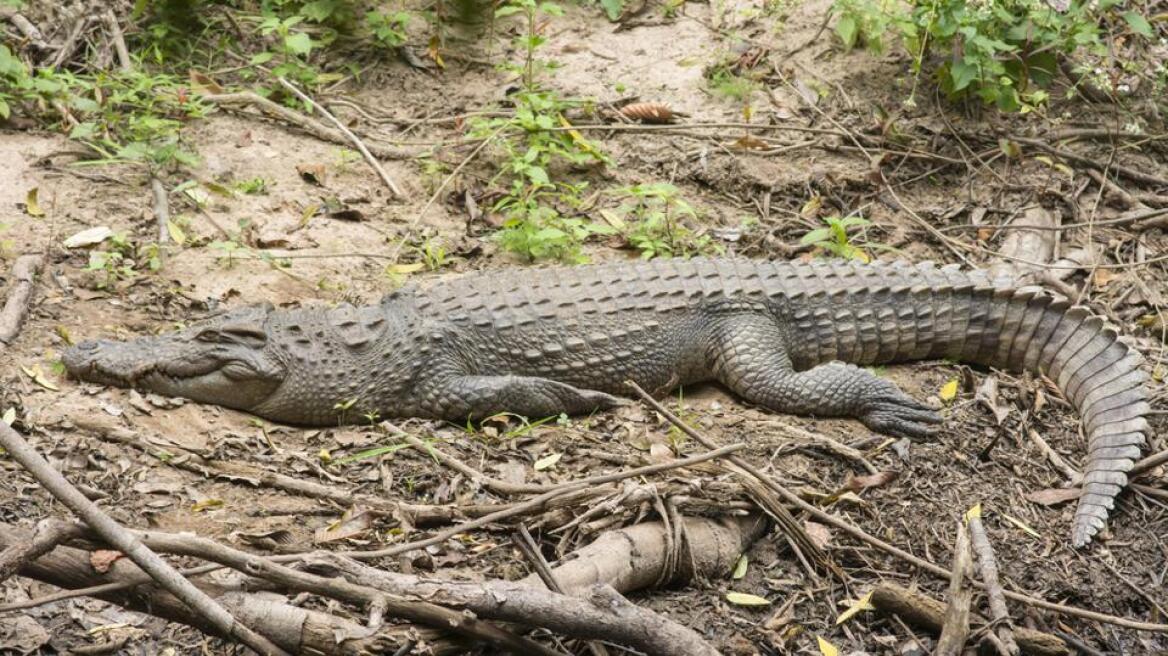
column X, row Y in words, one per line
column 975, row 459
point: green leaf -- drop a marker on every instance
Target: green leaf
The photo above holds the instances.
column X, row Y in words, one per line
column 5, row 112
column 962, row 74
column 816, row 236
column 613, row 8
column 848, row 30
column 298, row 43
column 261, row 58
column 1138, row 23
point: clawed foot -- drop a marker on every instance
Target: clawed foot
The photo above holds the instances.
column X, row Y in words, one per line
column 900, row 415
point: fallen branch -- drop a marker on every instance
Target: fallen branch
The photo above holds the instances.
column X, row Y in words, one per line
column 1148, row 464
column 356, row 141
column 600, row 614
column 928, row 613
column 416, row 608
column 24, row 273
column 955, row 627
column 48, row 534
column 987, row 564
column 313, row 127
column 122, row 540
column 297, row 630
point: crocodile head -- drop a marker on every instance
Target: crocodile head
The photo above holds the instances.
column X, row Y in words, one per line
column 226, row 361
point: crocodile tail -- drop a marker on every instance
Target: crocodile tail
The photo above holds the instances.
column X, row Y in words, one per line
column 1100, row 374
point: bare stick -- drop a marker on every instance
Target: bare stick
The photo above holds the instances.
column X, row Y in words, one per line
column 393, row 188
column 1053, row 457
column 987, row 563
column 1149, row 463
column 24, row 273
column 47, row 535
column 124, row 62
column 312, row 126
column 921, row 563
column 955, row 631
column 161, row 209
column 928, row 613
column 127, row 543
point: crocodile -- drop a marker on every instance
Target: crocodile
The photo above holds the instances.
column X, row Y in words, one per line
column 790, row 337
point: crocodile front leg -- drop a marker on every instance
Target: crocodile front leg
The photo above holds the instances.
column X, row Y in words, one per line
column 457, row 398
column 748, row 354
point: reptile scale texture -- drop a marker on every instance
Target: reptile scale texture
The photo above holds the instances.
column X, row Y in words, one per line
column 541, row 341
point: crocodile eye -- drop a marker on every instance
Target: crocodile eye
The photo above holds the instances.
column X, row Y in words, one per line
column 209, row 335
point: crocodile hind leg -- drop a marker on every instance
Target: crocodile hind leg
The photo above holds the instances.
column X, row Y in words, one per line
column 458, row 398
column 748, row 355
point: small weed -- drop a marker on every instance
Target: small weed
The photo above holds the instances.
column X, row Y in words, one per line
column 433, row 254
column 388, row 28
column 256, row 185
column 728, row 85
column 835, row 239
column 124, row 260
column 653, row 221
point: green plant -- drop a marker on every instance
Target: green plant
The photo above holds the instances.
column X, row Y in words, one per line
column 123, row 259
column 533, row 140
column 387, row 28
column 834, row 238
column 256, row 185
column 724, row 83
column 653, row 221
column 1005, row 53
column 433, row 253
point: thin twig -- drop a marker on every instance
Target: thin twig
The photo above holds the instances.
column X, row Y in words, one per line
column 393, row 188
column 161, row 209
column 987, row 563
column 125, row 64
column 1149, row 463
column 126, row 542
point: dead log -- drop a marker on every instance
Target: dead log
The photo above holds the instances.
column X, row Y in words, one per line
column 927, row 613
column 634, row 558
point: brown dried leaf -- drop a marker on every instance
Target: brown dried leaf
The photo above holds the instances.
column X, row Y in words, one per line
column 649, row 112
column 353, row 523
column 312, row 173
column 1053, row 496
column 204, row 81
column 879, row 479
column 749, row 142
column 102, row 559
column 819, row 534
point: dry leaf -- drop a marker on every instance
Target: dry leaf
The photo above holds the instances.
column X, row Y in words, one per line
column 749, row 142
column 207, row 504
column 740, row 567
column 1054, row 496
column 356, row 521
column 38, row 377
column 102, row 559
column 973, row 513
column 862, row 604
column 948, row 390
column 547, row 462
column 31, row 204
column 826, row 648
column 987, row 395
column 819, row 534
column 203, row 81
column 9, row 416
column 744, row 599
column 879, row 479
column 89, row 237
column 312, row 173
